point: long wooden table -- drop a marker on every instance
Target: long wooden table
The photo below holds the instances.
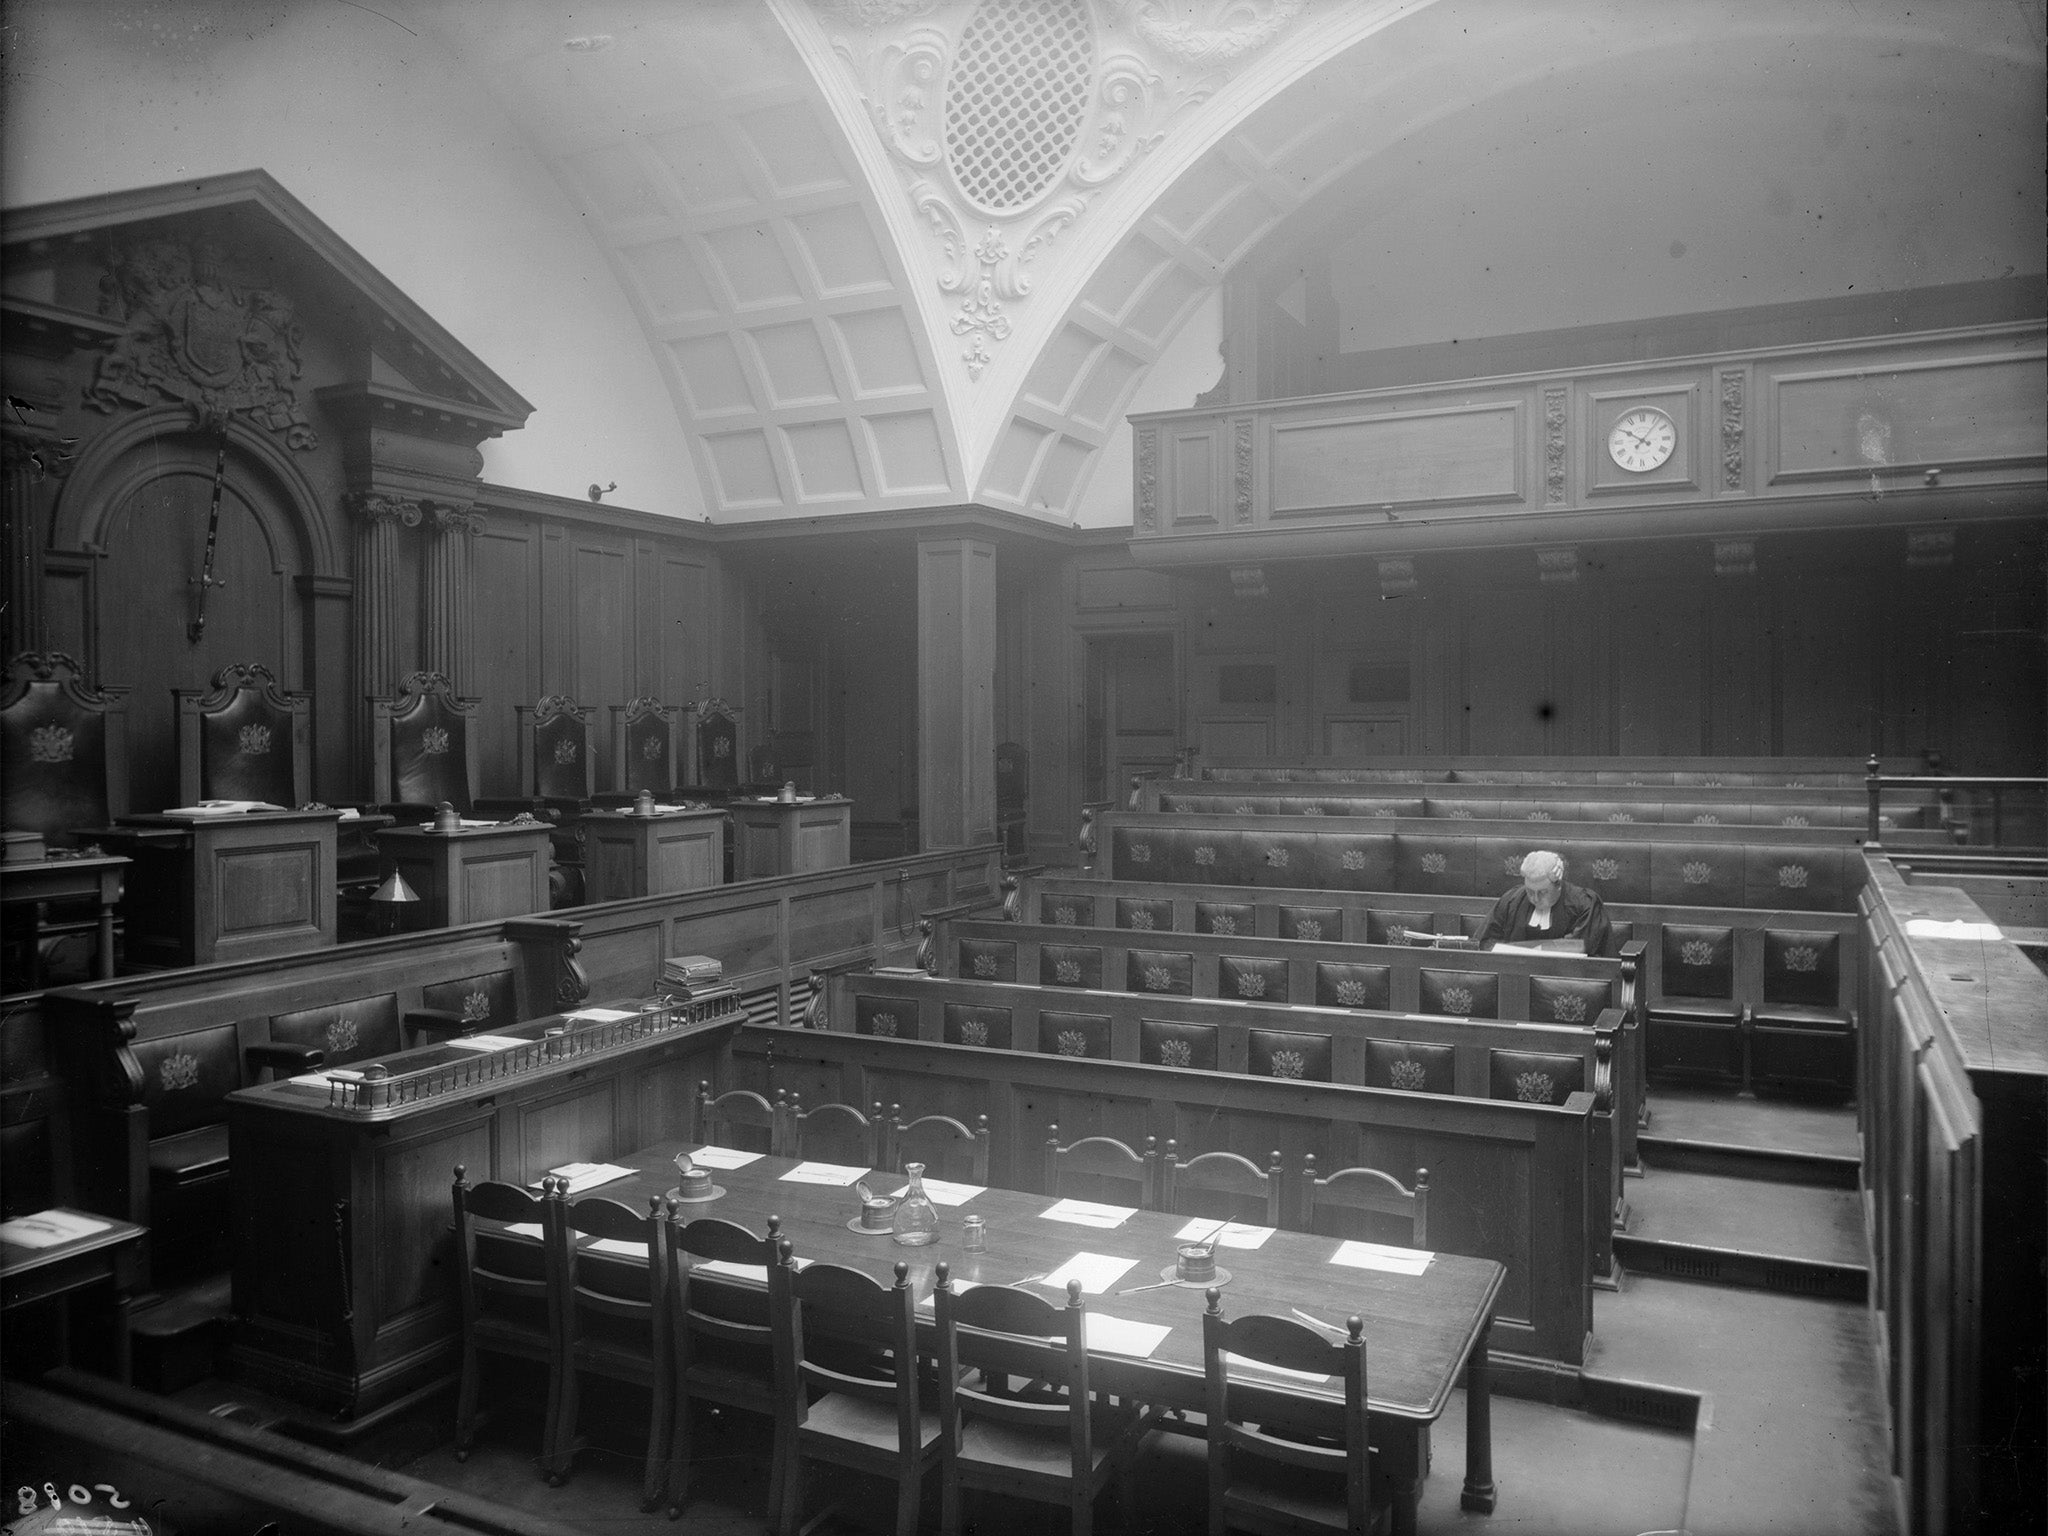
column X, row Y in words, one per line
column 1421, row 1331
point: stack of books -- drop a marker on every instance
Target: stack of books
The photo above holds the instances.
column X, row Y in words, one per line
column 691, row 974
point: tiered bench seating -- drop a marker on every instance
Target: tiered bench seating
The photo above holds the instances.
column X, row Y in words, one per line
column 1509, row 1176
column 1526, row 1063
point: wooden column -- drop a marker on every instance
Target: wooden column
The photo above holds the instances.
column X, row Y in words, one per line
column 445, row 630
column 956, row 661
column 23, row 549
column 380, row 662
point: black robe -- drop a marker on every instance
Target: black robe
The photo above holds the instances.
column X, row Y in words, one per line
column 1577, row 914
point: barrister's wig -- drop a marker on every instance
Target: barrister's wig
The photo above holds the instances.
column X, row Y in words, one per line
column 1543, row 865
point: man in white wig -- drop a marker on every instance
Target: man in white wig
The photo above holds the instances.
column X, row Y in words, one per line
column 1543, row 906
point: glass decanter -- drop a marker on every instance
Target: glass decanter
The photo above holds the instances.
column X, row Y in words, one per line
column 915, row 1220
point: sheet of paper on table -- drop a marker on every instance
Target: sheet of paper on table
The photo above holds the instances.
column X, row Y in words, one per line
column 1097, row 1272
column 1228, row 1234
column 1239, row 1365
column 1121, row 1335
column 582, row 1176
column 945, row 1192
column 487, row 1042
column 1086, row 1213
column 1934, row 928
column 523, row 1229
column 312, row 1079
column 46, row 1229
column 723, row 1157
column 823, row 1173
column 601, row 1015
column 1395, row 1261
column 620, row 1248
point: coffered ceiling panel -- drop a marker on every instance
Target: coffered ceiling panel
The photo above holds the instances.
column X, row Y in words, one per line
column 872, row 278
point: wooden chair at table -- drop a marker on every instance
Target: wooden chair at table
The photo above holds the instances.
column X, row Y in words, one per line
column 1223, row 1182
column 507, row 1286
column 869, row 1415
column 1099, row 1160
column 1333, row 1205
column 940, row 1142
column 1050, row 1442
column 615, row 1322
column 725, row 1346
column 1320, row 1481
column 720, row 1117
column 837, row 1133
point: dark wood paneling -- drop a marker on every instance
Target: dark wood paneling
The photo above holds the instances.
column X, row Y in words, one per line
column 1827, row 666
column 1507, row 690
column 1660, row 670
column 510, row 618
column 605, row 627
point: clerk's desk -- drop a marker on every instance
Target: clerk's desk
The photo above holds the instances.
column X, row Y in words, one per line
column 478, row 873
column 1420, row 1330
column 772, row 836
column 216, row 888
column 672, row 848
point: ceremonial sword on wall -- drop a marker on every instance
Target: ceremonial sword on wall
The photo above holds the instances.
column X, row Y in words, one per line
column 206, row 581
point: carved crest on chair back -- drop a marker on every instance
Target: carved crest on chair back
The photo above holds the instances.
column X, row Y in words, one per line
column 647, row 747
column 244, row 738
column 63, row 749
column 422, row 744
column 718, row 743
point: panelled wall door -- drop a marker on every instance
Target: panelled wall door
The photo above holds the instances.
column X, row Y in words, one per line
column 1133, row 718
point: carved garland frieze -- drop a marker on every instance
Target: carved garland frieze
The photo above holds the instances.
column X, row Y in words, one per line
column 1243, row 427
column 1731, row 430
column 200, row 334
column 996, row 187
column 1554, row 440
column 1148, row 481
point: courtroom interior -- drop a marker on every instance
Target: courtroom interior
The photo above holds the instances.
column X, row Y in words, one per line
column 1024, row 765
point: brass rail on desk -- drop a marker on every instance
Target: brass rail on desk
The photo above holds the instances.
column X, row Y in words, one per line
column 361, row 1091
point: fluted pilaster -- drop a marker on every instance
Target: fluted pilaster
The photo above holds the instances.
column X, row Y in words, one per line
column 380, row 661
column 446, row 631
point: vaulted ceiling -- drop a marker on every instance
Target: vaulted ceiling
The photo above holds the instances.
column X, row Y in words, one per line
column 907, row 253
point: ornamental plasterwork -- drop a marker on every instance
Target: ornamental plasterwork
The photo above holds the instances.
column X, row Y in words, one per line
column 200, row 334
column 933, row 75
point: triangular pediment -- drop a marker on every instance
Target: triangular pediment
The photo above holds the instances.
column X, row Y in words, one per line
column 63, row 259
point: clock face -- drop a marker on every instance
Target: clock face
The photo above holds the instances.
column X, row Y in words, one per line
column 1642, row 440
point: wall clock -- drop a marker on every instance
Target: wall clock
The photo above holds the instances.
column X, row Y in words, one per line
column 1642, row 440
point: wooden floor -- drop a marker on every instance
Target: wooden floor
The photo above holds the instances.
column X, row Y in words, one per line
column 1741, row 1298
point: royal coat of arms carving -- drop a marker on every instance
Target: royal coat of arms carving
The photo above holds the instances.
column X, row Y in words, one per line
column 199, row 334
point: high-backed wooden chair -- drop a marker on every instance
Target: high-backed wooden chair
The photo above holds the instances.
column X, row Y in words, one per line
column 557, row 753
column 244, row 738
column 865, row 1413
column 1084, row 1168
column 832, row 1133
column 718, row 744
column 722, row 1120
column 1222, row 1184
column 1340, row 1205
column 506, row 1287
column 947, row 1147
column 1315, row 1477
column 1696, row 1023
column 420, row 749
column 63, row 748
column 1050, row 1442
column 615, row 1318
column 647, row 748
column 726, row 1347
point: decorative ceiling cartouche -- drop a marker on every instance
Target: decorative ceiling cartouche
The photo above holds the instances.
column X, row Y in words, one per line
column 1003, row 118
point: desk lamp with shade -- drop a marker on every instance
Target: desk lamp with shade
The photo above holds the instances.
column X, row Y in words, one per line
column 393, row 904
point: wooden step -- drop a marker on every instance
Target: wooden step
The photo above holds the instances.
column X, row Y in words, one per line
column 1800, row 1239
